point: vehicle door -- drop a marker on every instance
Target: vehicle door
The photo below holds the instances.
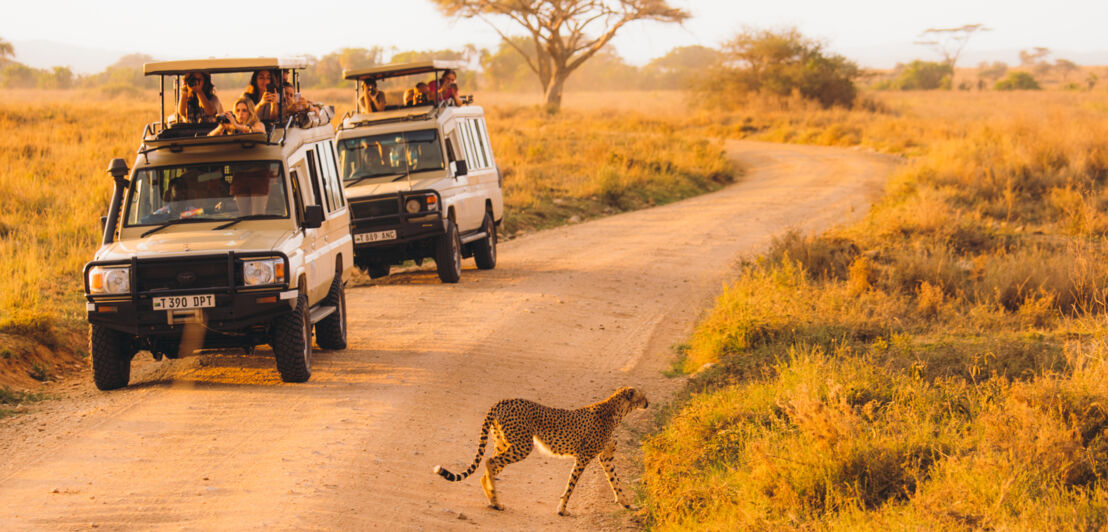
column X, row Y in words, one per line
column 454, row 194
column 336, row 223
column 484, row 180
column 303, row 164
column 469, row 213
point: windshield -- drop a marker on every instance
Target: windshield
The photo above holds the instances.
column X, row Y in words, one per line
column 206, row 192
column 390, row 154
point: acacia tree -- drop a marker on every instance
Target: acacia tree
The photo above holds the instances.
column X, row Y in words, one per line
column 6, row 49
column 563, row 33
column 949, row 42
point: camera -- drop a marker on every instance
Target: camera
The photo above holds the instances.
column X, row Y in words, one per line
column 222, row 120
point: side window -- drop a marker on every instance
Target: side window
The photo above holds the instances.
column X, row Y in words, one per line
column 331, row 177
column 313, row 174
column 450, row 157
column 325, row 176
column 483, row 140
column 467, row 141
column 298, row 201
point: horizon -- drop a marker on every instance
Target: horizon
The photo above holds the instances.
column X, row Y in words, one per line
column 1015, row 26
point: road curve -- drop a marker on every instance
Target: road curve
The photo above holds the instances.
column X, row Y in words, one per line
column 217, row 442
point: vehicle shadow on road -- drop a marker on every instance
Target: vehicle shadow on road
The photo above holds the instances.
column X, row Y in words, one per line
column 230, row 369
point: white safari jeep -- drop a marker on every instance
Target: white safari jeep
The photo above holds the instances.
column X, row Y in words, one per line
column 222, row 241
column 420, row 175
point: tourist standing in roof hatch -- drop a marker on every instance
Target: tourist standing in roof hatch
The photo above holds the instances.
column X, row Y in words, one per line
column 262, row 92
column 198, row 101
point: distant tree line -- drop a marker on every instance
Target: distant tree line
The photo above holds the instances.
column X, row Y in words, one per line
column 502, row 69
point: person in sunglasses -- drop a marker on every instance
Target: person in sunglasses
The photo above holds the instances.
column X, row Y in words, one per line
column 198, row 101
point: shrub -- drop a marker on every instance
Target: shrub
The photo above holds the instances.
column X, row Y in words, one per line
column 1018, row 81
column 780, row 63
column 921, row 75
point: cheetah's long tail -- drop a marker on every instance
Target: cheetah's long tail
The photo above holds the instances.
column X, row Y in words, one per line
column 476, row 460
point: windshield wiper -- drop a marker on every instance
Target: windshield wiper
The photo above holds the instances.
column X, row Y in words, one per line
column 175, row 222
column 247, row 217
column 361, row 178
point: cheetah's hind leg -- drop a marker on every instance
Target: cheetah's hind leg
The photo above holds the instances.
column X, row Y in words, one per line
column 507, row 452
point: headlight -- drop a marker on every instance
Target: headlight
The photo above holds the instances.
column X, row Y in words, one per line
column 104, row 280
column 416, row 204
column 268, row 271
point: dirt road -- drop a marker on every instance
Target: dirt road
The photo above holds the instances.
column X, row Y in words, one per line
column 217, row 442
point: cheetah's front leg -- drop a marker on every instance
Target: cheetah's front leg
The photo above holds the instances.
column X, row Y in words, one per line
column 578, row 467
column 607, row 456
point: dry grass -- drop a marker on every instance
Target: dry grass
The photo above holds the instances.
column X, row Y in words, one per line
column 583, row 163
column 940, row 364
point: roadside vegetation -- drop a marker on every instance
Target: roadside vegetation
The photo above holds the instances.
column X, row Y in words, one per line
column 941, row 364
column 54, row 189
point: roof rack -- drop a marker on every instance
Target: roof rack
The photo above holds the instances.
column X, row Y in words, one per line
column 398, row 70
column 220, row 66
column 402, row 69
column 212, row 66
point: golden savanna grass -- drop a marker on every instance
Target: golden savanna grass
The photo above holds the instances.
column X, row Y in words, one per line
column 940, row 364
column 55, row 148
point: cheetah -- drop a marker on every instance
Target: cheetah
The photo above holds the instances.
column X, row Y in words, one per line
column 584, row 434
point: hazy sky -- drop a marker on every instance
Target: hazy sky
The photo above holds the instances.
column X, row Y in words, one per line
column 201, row 28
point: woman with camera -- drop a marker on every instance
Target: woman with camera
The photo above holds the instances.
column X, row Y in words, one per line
column 198, row 101
column 372, row 100
column 262, row 93
column 242, row 121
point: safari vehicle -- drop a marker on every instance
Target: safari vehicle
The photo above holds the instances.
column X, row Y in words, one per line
column 421, row 178
column 224, row 241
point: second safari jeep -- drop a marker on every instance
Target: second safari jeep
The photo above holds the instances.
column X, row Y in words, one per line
column 421, row 177
column 224, row 241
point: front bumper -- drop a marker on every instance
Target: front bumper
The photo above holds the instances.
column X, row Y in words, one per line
column 416, row 233
column 238, row 309
column 233, row 313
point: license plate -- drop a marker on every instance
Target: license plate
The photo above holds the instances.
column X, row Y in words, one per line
column 179, row 302
column 362, row 238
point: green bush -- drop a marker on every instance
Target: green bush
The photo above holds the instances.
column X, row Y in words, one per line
column 781, row 63
column 1018, row 81
column 920, row 76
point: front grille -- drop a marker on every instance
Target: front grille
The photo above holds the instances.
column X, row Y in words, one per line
column 375, row 208
column 183, row 274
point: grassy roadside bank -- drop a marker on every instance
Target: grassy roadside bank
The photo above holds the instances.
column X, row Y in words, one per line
column 56, row 146
column 940, row 364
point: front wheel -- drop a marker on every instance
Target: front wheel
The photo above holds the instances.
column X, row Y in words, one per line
column 111, row 357
column 330, row 332
column 484, row 250
column 448, row 255
column 291, row 338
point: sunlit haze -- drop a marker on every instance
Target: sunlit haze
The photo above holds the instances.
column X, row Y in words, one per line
column 875, row 33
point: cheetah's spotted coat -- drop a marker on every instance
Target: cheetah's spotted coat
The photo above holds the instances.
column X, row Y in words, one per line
column 584, row 434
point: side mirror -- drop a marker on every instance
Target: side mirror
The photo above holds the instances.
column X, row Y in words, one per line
column 313, row 216
column 460, row 168
column 103, row 223
column 118, row 168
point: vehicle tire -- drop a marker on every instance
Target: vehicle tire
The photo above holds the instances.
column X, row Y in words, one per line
column 111, row 357
column 448, row 254
column 330, row 332
column 377, row 270
column 291, row 338
column 484, row 250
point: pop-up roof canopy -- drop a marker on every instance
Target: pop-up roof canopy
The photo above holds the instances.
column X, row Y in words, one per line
column 219, row 66
column 402, row 69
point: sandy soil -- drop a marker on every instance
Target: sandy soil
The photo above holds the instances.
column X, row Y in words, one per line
column 217, row 442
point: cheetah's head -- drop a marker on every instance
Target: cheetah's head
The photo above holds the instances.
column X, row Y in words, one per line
column 631, row 398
